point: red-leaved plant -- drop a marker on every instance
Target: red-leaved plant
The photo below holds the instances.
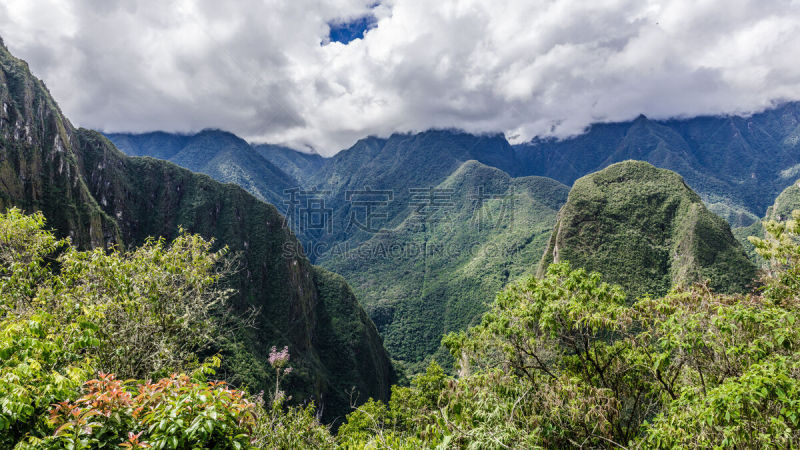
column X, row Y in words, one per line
column 174, row 412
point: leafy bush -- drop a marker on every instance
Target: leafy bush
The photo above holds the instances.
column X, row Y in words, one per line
column 174, row 412
column 66, row 315
column 781, row 250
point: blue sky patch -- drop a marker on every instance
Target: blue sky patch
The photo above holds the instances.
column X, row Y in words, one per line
column 345, row 32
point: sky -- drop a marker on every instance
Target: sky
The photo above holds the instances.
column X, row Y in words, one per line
column 320, row 75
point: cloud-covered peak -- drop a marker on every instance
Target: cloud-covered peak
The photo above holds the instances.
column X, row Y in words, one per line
column 522, row 67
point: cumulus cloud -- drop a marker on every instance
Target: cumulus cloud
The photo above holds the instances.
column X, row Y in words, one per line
column 266, row 69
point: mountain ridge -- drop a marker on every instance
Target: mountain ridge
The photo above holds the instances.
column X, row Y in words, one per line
column 220, row 154
column 737, row 164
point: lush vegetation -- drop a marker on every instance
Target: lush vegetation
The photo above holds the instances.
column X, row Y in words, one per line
column 559, row 361
column 788, row 201
column 567, row 361
column 646, row 230
column 82, row 332
column 425, row 277
column 108, row 338
column 669, row 236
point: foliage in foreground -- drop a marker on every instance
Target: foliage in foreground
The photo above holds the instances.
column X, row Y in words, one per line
column 74, row 325
column 561, row 361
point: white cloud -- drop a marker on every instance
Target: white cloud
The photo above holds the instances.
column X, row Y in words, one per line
column 524, row 67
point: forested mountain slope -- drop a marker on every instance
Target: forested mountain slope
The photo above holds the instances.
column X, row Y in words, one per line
column 781, row 210
column 644, row 229
column 436, row 272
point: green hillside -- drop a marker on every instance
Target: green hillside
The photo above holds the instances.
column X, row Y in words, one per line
column 91, row 192
column 433, row 275
column 413, row 297
column 788, row 201
column 647, row 231
column 781, row 210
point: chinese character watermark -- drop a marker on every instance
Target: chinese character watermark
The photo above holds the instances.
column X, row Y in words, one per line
column 306, row 210
column 364, row 204
column 428, row 201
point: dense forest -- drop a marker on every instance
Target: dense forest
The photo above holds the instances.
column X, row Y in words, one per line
column 491, row 208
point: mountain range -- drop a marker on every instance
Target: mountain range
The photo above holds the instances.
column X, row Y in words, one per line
column 737, row 164
column 420, row 196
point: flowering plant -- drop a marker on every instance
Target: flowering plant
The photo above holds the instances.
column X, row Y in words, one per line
column 279, row 360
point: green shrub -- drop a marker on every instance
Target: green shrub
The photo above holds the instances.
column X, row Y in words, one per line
column 173, row 413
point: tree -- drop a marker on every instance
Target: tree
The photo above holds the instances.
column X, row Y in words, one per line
column 781, row 250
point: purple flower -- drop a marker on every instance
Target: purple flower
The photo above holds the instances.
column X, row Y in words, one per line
column 277, row 358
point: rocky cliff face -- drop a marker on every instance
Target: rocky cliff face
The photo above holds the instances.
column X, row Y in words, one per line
column 645, row 229
column 90, row 191
column 39, row 167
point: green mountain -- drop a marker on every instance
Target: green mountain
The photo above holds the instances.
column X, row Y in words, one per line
column 787, row 201
column 645, row 229
column 414, row 297
column 417, row 279
column 93, row 193
column 436, row 273
column 301, row 166
column 738, row 165
column 223, row 156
